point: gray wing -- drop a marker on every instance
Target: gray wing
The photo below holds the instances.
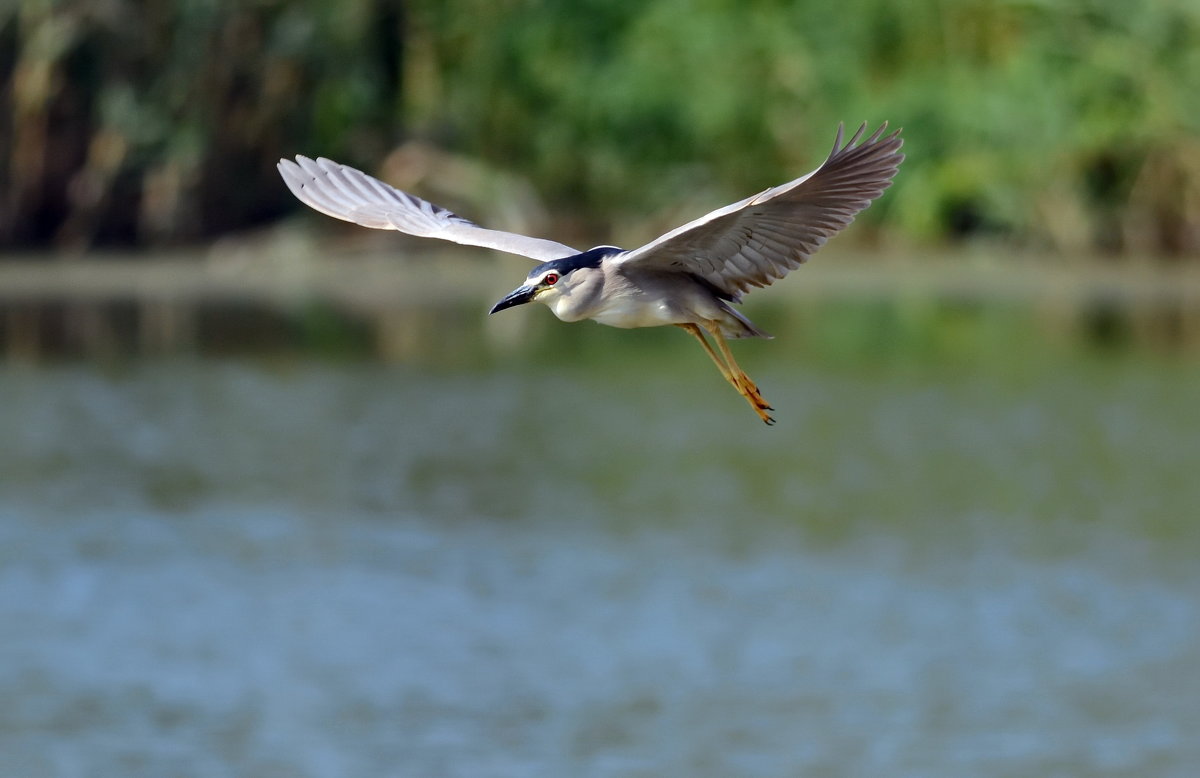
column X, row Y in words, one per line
column 344, row 193
column 758, row 240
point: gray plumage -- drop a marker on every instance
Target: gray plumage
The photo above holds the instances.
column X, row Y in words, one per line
column 688, row 277
column 344, row 193
column 757, row 241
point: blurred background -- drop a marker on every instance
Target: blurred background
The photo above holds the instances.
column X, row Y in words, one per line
column 277, row 498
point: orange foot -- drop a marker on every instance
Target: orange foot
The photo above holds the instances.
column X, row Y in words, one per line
column 750, row 391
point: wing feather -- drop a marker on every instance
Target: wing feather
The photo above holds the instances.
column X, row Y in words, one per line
column 757, row 241
column 344, row 193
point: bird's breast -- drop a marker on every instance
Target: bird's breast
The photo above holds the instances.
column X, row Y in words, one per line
column 635, row 311
column 642, row 301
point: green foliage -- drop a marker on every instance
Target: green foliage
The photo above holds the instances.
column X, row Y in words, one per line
column 1012, row 110
column 1070, row 125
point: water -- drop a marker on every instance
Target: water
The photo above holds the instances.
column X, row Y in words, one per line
column 236, row 569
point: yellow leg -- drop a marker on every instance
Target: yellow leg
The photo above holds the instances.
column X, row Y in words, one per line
column 747, row 385
column 732, row 373
column 694, row 330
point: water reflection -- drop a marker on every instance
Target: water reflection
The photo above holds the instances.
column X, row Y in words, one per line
column 309, row 571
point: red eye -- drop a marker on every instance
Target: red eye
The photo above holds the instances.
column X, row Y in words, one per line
column 551, row 279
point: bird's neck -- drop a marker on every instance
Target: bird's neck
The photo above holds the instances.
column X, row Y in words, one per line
column 579, row 300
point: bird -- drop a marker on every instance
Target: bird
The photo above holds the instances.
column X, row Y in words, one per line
column 690, row 277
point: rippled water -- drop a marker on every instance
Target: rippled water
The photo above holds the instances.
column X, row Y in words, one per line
column 312, row 570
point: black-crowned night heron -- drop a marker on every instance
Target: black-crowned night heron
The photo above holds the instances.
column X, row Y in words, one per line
column 688, row 277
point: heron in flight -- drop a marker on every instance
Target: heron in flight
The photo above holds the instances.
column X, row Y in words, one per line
column 689, row 277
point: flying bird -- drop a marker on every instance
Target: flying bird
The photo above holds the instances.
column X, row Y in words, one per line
column 690, row 277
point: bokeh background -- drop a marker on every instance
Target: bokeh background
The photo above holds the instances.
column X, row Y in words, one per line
column 277, row 498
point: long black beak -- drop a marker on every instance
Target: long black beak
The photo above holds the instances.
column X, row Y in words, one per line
column 518, row 296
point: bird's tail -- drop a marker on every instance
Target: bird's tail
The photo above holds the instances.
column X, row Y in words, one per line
column 736, row 325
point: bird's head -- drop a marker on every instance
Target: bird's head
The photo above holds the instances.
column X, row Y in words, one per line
column 545, row 284
column 551, row 281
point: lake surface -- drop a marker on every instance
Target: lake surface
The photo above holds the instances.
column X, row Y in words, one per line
column 302, row 569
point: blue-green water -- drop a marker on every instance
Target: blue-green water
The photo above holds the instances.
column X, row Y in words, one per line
column 235, row 569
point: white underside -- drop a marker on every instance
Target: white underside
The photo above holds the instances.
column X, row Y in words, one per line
column 629, row 307
column 629, row 313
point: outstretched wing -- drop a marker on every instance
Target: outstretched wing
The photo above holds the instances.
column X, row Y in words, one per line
column 758, row 240
column 344, row 193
